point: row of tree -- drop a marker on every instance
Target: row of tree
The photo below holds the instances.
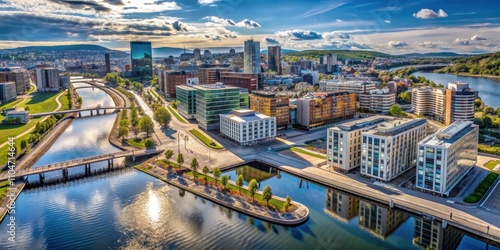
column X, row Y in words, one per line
column 115, row 78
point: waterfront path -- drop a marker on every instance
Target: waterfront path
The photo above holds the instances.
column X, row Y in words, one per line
column 237, row 203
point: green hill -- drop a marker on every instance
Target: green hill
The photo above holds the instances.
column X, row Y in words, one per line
column 487, row 64
column 65, row 47
column 341, row 55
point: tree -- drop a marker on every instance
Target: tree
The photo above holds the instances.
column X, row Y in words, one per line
column 405, row 97
column 239, row 182
column 252, row 187
column 194, row 166
column 497, row 111
column 180, row 159
column 174, row 104
column 146, row 125
column 487, row 122
column 162, row 116
column 136, row 130
column 216, row 173
column 267, row 194
column 133, row 112
column 489, row 110
column 396, row 110
column 24, row 144
column 123, row 132
column 223, row 180
column 205, row 171
column 169, row 153
column 27, row 108
column 124, row 123
column 149, row 143
column 288, row 202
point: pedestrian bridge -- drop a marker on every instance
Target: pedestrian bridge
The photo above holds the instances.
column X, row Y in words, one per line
column 64, row 166
column 97, row 109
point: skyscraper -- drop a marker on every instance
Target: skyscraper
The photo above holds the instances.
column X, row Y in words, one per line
column 108, row 63
column 197, row 54
column 251, row 57
column 142, row 59
column 274, row 58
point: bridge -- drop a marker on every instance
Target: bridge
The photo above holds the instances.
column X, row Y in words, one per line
column 422, row 66
column 64, row 166
column 97, row 109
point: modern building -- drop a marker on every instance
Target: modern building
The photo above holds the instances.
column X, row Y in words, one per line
column 211, row 75
column 232, row 52
column 445, row 105
column 251, row 57
column 7, row 91
column 377, row 101
column 325, row 108
column 341, row 205
column 197, row 54
column 431, row 234
column 378, row 220
column 247, row 81
column 244, row 98
column 186, row 95
column 349, row 86
column 313, row 74
column 247, row 127
column 15, row 116
column 272, row 105
column 142, row 59
column 344, row 142
column 390, row 149
column 274, row 59
column 107, row 61
column 21, row 77
column 213, row 100
column 47, row 79
column 445, row 157
column 172, row 79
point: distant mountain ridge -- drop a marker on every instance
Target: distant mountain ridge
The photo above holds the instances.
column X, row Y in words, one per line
column 435, row 54
column 65, row 47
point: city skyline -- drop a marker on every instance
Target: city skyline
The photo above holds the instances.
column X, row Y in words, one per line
column 394, row 27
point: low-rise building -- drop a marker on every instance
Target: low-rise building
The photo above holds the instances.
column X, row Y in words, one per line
column 390, row 149
column 349, row 86
column 16, row 116
column 344, row 142
column 172, row 79
column 445, row 157
column 247, row 81
column 247, row 127
column 325, row 108
column 272, row 105
column 211, row 75
column 377, row 101
column 7, row 91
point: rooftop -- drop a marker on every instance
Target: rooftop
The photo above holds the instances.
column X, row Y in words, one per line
column 361, row 123
column 396, row 126
column 186, row 87
column 448, row 135
column 245, row 115
column 214, row 86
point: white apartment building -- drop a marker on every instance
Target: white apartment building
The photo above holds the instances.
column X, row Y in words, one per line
column 429, row 101
column 378, row 100
column 349, row 86
column 390, row 149
column 248, row 127
column 344, row 142
column 445, row 157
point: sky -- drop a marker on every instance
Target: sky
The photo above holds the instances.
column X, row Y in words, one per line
column 391, row 26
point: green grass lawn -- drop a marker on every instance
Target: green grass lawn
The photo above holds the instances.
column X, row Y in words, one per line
column 153, row 92
column 205, row 140
column 136, row 142
column 278, row 204
column 43, row 102
column 299, row 150
column 11, row 104
column 177, row 116
column 491, row 164
column 3, row 189
column 65, row 102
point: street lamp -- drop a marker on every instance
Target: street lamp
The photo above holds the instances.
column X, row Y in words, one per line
column 179, row 142
column 186, row 138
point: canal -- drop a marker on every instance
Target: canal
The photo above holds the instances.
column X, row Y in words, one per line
column 128, row 209
column 486, row 87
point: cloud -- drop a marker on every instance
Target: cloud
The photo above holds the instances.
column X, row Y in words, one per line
column 478, row 38
column 432, row 45
column 177, row 25
column 248, row 23
column 335, row 35
column 270, row 41
column 397, row 44
column 428, row 13
column 299, row 34
column 387, row 21
column 208, row 2
column 218, row 20
column 323, row 7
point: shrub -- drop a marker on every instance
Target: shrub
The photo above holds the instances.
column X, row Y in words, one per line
column 149, row 143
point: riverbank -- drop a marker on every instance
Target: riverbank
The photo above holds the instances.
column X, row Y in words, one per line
column 237, row 203
column 8, row 201
column 468, row 74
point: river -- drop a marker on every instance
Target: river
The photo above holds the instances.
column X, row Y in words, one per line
column 488, row 88
column 128, row 209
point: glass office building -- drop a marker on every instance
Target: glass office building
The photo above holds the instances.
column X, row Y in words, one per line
column 213, row 100
column 142, row 59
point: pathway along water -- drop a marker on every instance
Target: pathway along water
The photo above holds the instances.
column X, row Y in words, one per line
column 131, row 210
column 488, row 88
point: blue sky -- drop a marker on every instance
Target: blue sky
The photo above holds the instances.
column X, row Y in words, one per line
column 393, row 26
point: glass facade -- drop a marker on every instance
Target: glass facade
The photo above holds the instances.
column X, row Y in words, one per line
column 187, row 101
column 142, row 59
column 211, row 102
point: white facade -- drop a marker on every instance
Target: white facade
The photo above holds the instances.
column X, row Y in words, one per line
column 378, row 101
column 344, row 142
column 13, row 114
column 349, row 86
column 391, row 149
column 248, row 127
column 445, row 157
